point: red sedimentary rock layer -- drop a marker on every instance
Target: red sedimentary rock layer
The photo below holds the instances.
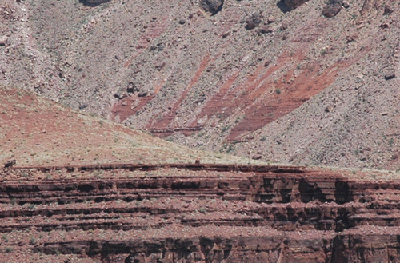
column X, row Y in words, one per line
column 197, row 213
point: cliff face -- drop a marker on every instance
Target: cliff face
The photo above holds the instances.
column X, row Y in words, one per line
column 277, row 81
column 291, row 81
column 196, row 213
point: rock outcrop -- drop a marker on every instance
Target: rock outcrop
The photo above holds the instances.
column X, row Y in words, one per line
column 197, row 213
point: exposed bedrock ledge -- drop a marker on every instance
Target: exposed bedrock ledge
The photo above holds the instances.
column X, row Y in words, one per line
column 265, row 187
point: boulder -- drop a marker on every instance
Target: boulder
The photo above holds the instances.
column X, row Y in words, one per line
column 345, row 4
column 9, row 164
column 253, row 21
column 351, row 38
column 389, row 73
column 293, row 4
column 131, row 88
column 3, row 40
column 271, row 19
column 332, row 8
column 250, row 24
column 388, row 10
column 264, row 30
column 212, row 6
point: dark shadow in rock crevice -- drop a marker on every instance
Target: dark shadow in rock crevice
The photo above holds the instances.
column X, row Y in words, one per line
column 93, row 2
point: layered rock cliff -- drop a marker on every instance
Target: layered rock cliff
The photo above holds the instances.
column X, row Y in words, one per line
column 196, row 213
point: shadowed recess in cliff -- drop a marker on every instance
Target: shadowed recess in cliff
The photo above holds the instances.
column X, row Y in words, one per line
column 310, row 192
column 93, row 2
column 343, row 193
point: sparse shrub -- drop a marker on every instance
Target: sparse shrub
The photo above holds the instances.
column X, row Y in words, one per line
column 391, row 142
column 230, row 149
column 225, row 128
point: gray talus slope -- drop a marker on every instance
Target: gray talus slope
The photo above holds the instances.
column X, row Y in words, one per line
column 211, row 80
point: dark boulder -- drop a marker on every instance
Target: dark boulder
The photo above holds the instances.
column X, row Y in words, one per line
column 131, row 88
column 250, row 25
column 264, row 30
column 292, row 4
column 212, row 6
column 332, row 8
column 388, row 10
column 10, row 164
column 253, row 21
column 389, row 73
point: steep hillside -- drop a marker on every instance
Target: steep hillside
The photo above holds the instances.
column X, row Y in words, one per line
column 37, row 131
column 278, row 81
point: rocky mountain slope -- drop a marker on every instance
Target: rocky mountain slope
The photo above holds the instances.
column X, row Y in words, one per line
column 287, row 81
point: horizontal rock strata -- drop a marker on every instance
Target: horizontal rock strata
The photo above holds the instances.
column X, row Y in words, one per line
column 196, row 213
